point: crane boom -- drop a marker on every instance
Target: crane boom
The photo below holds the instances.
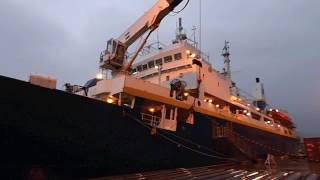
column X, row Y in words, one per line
column 114, row 57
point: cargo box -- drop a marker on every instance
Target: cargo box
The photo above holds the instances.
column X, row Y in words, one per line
column 43, row 81
column 312, row 147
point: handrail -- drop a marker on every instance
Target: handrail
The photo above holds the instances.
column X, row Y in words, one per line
column 151, row 120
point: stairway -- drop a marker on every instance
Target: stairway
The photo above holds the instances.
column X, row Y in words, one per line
column 242, row 145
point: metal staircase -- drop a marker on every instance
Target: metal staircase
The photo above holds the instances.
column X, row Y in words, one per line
column 242, row 145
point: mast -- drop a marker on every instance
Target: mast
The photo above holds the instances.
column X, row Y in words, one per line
column 227, row 61
column 180, row 34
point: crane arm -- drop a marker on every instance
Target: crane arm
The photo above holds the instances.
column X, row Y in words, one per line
column 114, row 57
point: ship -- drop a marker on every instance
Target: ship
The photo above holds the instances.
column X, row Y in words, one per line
column 171, row 109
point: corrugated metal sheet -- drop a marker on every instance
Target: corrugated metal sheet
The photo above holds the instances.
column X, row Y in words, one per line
column 219, row 172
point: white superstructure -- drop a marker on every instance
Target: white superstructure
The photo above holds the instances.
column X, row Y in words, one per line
column 178, row 81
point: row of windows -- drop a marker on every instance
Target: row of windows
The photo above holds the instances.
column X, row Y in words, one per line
column 153, row 63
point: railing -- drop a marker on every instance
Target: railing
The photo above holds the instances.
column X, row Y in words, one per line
column 151, row 120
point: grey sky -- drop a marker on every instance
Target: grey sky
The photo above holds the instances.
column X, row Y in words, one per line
column 275, row 40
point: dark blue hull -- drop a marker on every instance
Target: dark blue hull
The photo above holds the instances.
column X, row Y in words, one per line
column 77, row 137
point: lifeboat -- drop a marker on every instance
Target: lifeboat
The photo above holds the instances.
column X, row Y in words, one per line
column 280, row 115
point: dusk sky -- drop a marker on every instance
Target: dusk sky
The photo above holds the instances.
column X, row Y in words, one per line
column 277, row 41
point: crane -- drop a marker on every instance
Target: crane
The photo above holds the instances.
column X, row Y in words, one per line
column 114, row 57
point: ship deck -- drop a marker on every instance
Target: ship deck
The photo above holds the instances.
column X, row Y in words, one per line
column 298, row 169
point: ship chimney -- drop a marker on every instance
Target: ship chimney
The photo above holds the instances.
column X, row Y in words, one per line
column 259, row 95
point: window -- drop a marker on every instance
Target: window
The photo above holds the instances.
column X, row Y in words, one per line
column 139, row 68
column 151, row 64
column 159, row 61
column 177, row 56
column 167, row 59
column 267, row 120
column 255, row 116
column 144, row 67
column 167, row 78
column 133, row 71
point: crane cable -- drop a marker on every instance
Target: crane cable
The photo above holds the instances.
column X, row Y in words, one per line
column 177, row 12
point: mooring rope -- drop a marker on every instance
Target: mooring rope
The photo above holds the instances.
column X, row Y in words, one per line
column 180, row 144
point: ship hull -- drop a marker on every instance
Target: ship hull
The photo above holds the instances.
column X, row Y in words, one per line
column 75, row 136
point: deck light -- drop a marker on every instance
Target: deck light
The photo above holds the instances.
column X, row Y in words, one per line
column 186, row 94
column 110, row 101
column 193, row 55
column 245, row 111
column 217, row 105
column 210, row 100
column 248, row 114
column 258, row 109
column 152, row 110
column 99, row 76
column 188, row 52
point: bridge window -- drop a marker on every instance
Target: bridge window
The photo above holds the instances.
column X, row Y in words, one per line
column 167, row 59
column 134, row 70
column 159, row 61
column 139, row 68
column 144, row 67
column 151, row 64
column 255, row 116
column 177, row 56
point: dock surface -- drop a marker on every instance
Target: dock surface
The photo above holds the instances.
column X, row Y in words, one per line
column 291, row 170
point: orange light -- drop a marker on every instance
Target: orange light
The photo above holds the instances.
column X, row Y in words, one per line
column 217, row 105
column 193, row 55
column 248, row 114
column 110, row 101
column 188, row 52
column 258, row 109
column 210, row 100
column 152, row 110
column 186, row 94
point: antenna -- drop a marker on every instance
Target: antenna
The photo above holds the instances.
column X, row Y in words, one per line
column 200, row 25
column 180, row 34
column 227, row 61
column 158, row 41
column 194, row 29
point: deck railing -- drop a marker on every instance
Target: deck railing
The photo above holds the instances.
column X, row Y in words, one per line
column 151, row 120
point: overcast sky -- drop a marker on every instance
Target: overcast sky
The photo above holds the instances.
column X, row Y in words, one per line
column 277, row 41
